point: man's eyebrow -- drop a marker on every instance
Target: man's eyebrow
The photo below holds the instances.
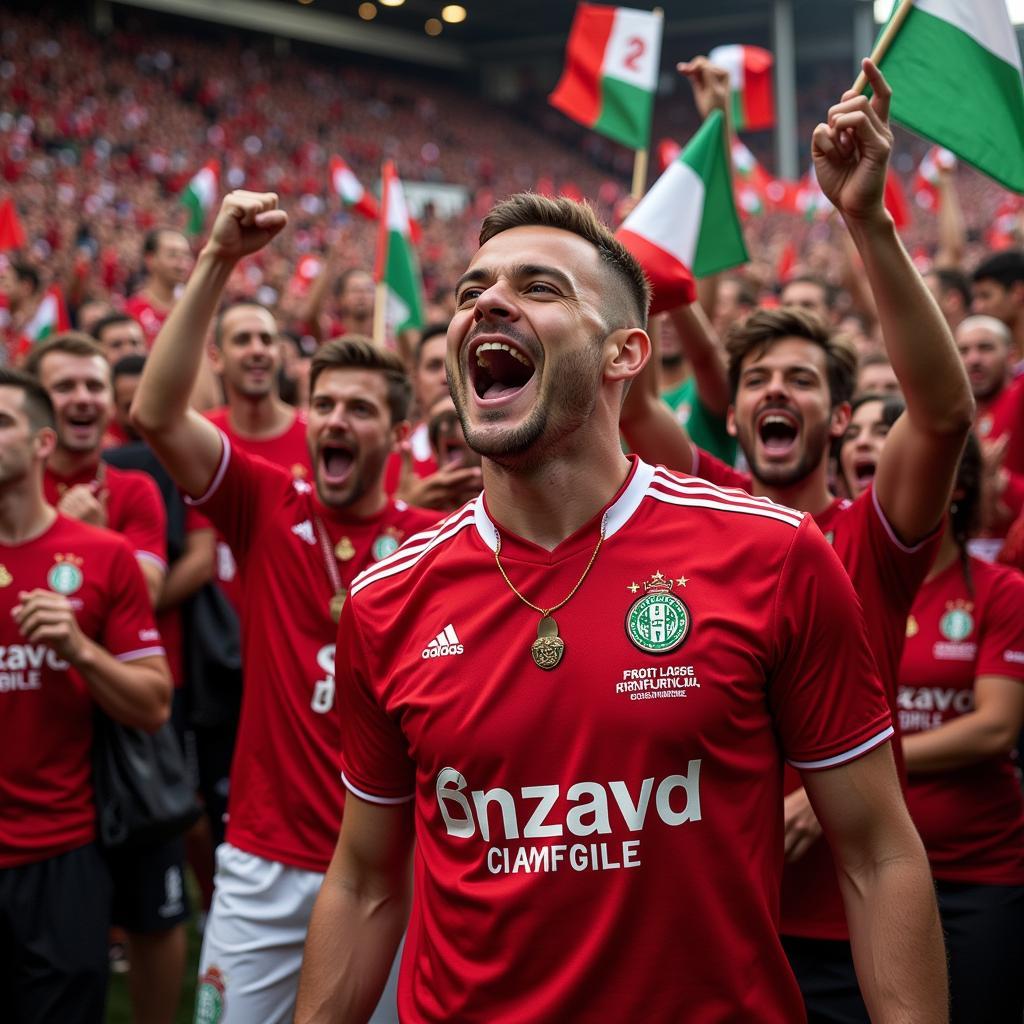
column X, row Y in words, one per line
column 480, row 275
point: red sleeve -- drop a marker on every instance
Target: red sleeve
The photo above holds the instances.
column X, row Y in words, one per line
column 129, row 630
column 826, row 695
column 195, row 520
column 715, row 471
column 1001, row 643
column 375, row 760
column 243, row 495
column 144, row 519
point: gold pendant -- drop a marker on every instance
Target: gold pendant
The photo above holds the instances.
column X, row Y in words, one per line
column 344, row 549
column 548, row 648
column 6, row 579
column 337, row 603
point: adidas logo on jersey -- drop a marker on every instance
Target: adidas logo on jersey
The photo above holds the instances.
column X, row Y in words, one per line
column 445, row 643
column 304, row 530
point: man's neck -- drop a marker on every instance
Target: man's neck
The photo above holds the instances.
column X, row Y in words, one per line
column 369, row 504
column 259, row 418
column 67, row 463
column 359, row 324
column 811, row 494
column 161, row 295
column 549, row 503
column 24, row 513
column 673, row 375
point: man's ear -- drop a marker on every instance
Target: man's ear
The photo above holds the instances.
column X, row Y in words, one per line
column 45, row 442
column 629, row 348
column 840, row 419
column 400, row 432
column 730, row 421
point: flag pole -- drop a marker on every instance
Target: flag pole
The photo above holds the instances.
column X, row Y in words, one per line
column 640, row 156
column 885, row 41
column 380, row 308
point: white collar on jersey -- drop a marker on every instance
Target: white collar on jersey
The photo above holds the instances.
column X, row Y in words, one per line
column 618, row 513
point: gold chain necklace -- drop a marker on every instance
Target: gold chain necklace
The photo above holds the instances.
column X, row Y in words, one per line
column 548, row 648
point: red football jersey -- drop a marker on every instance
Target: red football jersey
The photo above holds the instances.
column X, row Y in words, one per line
column 150, row 318
column 972, row 818
column 134, row 506
column 604, row 841
column 1005, row 415
column 46, row 797
column 286, row 793
column 287, row 449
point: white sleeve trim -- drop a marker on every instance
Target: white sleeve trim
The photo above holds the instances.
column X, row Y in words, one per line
column 225, row 458
column 369, row 797
column 849, row 755
column 142, row 652
column 150, row 557
column 892, row 533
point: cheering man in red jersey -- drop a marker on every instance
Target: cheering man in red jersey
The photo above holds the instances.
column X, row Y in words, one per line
column 76, row 631
column 577, row 695
column 299, row 545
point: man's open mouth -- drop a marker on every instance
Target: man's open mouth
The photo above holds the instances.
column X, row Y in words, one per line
column 864, row 471
column 778, row 431
column 498, row 369
column 337, row 460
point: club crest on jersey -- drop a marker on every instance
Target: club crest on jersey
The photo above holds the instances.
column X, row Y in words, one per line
column 6, row 579
column 658, row 622
column 957, row 623
column 65, row 576
column 210, row 998
column 386, row 544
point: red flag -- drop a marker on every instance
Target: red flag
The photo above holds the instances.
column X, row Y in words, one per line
column 306, row 272
column 12, row 234
column 787, row 261
column 668, row 150
column 896, row 200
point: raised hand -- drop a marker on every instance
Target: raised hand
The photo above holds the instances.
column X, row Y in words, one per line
column 246, row 222
column 85, row 503
column 851, row 151
column 43, row 617
column 710, row 84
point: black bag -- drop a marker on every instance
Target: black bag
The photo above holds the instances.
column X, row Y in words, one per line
column 143, row 792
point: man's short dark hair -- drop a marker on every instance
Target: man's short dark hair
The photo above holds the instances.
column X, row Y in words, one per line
column 151, row 240
column 218, row 322
column 37, row 404
column 110, row 320
column 354, row 352
column 1005, row 268
column 767, row 326
column 428, row 333
column 347, row 276
column 527, row 209
column 951, row 280
column 874, row 359
column 26, row 272
column 128, row 366
column 72, row 343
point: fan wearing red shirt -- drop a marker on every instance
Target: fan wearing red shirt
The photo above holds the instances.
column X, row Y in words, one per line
column 792, row 381
column 299, row 544
column 961, row 704
column 512, row 689
column 167, row 258
column 76, row 632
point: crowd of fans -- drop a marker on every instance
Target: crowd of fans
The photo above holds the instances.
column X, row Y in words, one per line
column 98, row 136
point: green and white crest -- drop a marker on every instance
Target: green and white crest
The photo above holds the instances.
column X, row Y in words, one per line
column 65, row 578
column 956, row 624
column 658, row 622
column 386, row 544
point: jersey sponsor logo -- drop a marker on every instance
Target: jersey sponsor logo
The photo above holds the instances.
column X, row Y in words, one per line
column 1014, row 657
column 658, row 622
column 652, row 682
column 942, row 651
column 585, row 809
column 65, row 576
column 924, row 707
column 301, row 487
column 445, row 644
column 304, row 531
column 21, row 666
column 211, row 998
column 957, row 623
column 323, row 689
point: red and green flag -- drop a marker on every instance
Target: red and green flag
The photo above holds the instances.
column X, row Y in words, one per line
column 750, row 81
column 349, row 189
column 397, row 266
column 687, row 225
column 200, row 195
column 611, row 72
column 929, row 172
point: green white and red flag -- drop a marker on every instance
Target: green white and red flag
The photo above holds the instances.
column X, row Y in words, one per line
column 350, row 190
column 611, row 72
column 200, row 195
column 750, row 181
column 955, row 71
column 687, row 226
column 397, row 266
column 810, row 201
column 750, row 81
column 51, row 317
column 926, row 181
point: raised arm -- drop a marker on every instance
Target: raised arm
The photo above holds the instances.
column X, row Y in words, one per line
column 914, row 477
column 887, row 889
column 187, row 444
column 703, row 349
column 359, row 915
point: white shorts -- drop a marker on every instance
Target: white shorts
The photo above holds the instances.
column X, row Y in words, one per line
column 252, row 944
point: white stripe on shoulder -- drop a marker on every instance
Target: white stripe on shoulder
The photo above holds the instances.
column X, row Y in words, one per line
column 222, row 468
column 414, row 540
column 849, row 755
column 409, row 554
column 387, row 801
column 700, row 494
